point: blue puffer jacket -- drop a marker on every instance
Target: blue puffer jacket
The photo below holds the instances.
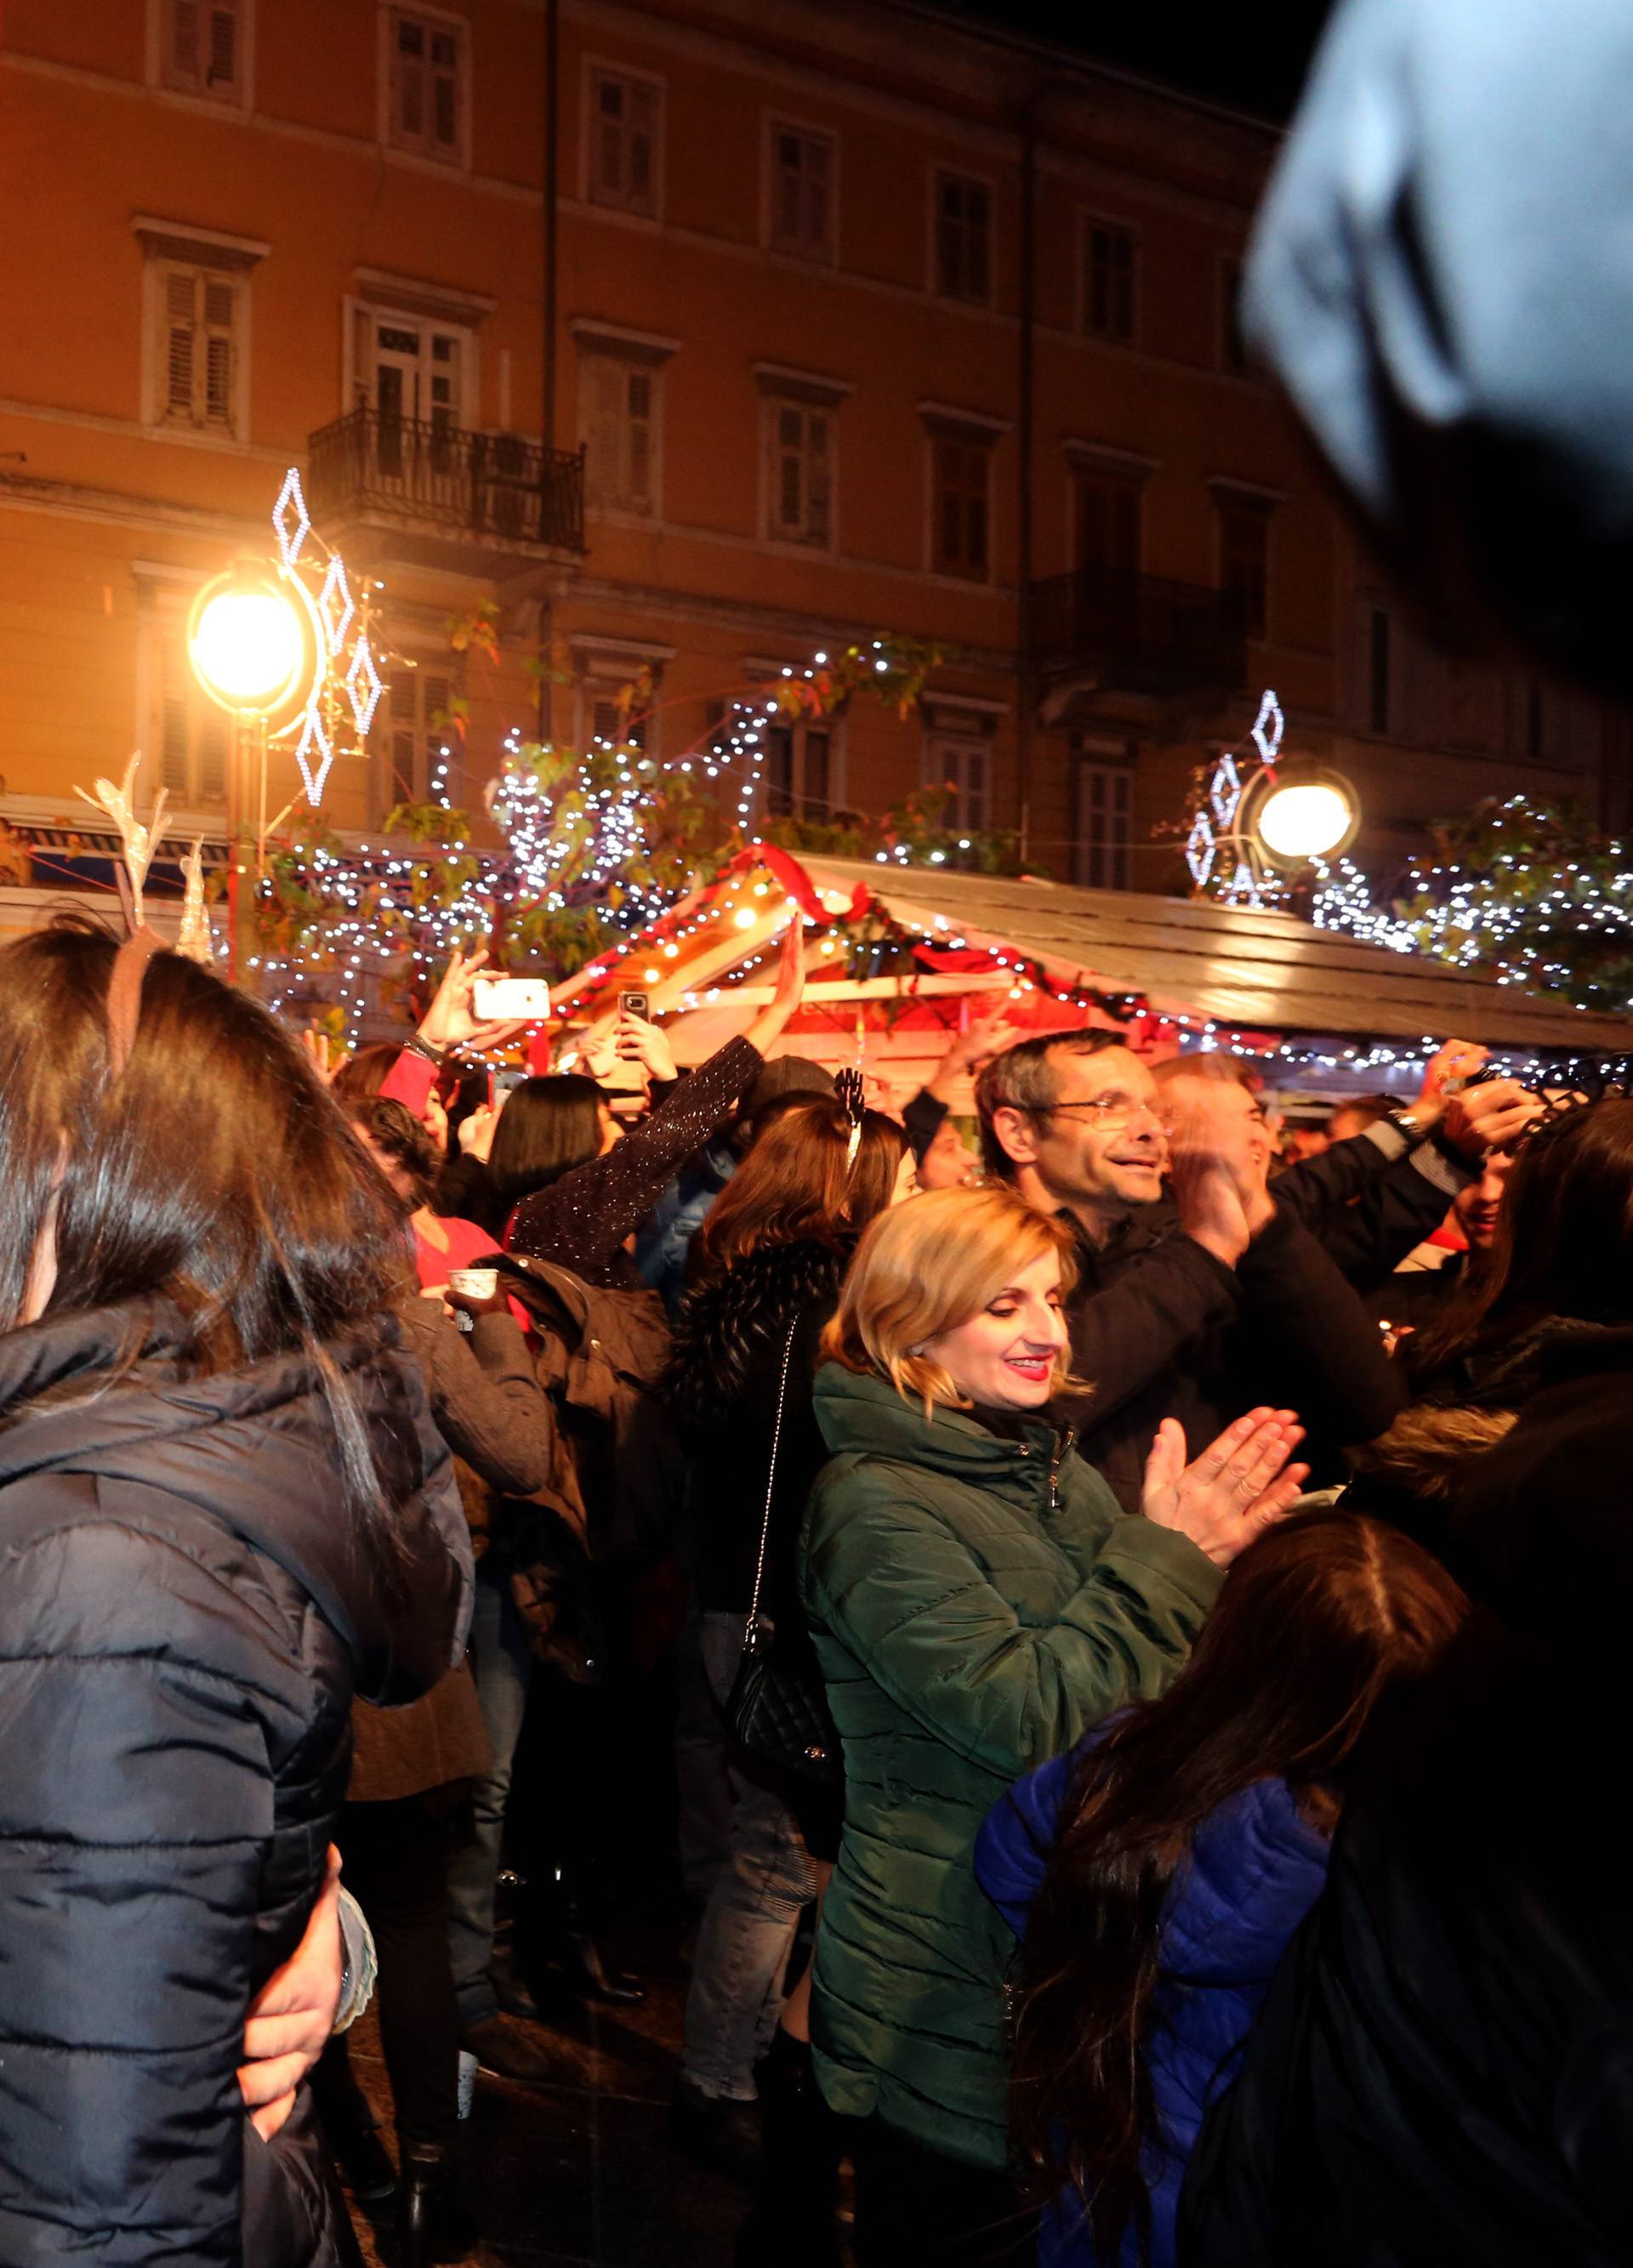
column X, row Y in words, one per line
column 1256, row 1869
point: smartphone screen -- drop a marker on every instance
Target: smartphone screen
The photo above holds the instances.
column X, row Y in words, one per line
column 496, row 998
column 636, row 1004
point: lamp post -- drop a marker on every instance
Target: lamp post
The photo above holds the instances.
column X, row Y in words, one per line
column 258, row 653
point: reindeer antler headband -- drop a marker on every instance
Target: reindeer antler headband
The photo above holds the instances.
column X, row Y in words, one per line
column 138, row 844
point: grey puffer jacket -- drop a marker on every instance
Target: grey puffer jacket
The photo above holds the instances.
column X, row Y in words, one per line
column 186, row 1608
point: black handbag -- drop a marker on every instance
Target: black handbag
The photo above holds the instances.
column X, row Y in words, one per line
column 776, row 1711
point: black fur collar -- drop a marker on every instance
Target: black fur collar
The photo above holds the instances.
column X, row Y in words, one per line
column 732, row 1323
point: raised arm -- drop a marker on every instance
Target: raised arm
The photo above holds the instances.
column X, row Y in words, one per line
column 582, row 1220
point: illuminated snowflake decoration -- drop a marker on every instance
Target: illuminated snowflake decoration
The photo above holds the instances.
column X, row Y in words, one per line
column 364, row 687
column 1225, row 792
column 1199, row 850
column 336, row 604
column 1269, row 725
column 292, row 523
column 314, row 753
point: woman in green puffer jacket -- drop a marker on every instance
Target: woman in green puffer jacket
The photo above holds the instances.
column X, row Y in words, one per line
column 978, row 1601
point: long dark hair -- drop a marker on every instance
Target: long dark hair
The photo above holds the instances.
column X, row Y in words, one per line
column 795, row 1184
column 394, row 1132
column 1564, row 1238
column 215, row 1172
column 1315, row 1622
column 547, row 1127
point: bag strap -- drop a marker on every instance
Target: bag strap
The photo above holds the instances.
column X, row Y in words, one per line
column 770, row 1477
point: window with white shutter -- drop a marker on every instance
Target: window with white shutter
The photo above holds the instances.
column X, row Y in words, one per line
column 963, row 238
column 193, row 737
column 960, row 507
column 798, row 772
column 199, row 316
column 800, row 474
column 622, row 138
column 427, row 67
column 411, row 730
column 1104, row 818
column 203, row 47
column 618, row 399
column 609, row 718
column 802, row 168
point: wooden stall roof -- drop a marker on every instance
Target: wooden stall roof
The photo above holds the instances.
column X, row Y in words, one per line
column 1257, row 971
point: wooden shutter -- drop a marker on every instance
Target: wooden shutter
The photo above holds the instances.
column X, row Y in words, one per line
column 213, row 744
column 818, row 200
column 181, row 335
column 445, row 61
column 186, row 44
column 410, row 66
column 221, row 77
column 610, row 169
column 174, row 771
column 602, row 379
column 819, row 478
column 220, row 308
column 641, row 104
column 817, row 772
column 789, row 469
column 789, row 190
column 637, row 461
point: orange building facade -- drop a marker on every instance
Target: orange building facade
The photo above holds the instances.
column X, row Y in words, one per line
column 866, row 322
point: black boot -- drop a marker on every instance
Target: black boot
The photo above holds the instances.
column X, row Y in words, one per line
column 560, row 1958
column 796, row 2196
column 432, row 2222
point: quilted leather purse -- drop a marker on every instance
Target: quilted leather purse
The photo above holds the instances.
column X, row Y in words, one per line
column 776, row 1711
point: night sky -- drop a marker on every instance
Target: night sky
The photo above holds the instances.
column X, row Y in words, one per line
column 1251, row 58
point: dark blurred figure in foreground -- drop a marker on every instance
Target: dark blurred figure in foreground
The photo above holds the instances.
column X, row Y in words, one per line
column 1444, row 2072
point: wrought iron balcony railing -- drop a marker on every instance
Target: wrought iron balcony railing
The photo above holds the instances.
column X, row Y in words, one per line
column 496, row 488
column 1137, row 633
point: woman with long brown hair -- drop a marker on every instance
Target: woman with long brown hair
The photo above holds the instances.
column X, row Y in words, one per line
column 224, row 1510
column 1157, row 1874
column 773, row 1250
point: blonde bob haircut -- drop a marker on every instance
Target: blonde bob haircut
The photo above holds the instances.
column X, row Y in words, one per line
column 926, row 1266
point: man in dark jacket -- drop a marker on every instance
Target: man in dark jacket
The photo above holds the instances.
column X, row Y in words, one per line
column 1200, row 1307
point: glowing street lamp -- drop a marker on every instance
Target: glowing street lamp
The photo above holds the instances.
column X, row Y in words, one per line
column 1308, row 817
column 251, row 649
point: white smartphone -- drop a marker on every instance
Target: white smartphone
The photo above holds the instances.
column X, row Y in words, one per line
column 503, row 998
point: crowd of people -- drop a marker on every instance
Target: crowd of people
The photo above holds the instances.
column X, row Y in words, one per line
column 1132, row 1621
column 1079, row 1579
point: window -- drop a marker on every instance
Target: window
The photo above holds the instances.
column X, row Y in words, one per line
column 623, row 141
column 608, row 715
column 801, row 193
column 1378, row 670
column 427, row 84
column 411, row 730
column 1107, row 512
column 618, row 425
column 193, row 737
column 800, row 474
column 798, row 772
column 1104, row 807
column 1233, row 354
column 1245, row 557
column 196, row 351
column 416, row 375
column 963, row 236
column 1108, row 282
column 960, row 508
column 958, row 762
column 201, row 45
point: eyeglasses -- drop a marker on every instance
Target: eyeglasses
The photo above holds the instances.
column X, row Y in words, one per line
column 1111, row 1111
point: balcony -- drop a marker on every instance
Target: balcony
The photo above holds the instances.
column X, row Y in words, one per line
column 1135, row 634
column 432, row 494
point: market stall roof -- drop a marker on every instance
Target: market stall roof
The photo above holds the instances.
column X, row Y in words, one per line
column 1193, row 957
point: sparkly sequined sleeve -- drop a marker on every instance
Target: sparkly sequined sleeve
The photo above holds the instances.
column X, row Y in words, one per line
column 582, row 1220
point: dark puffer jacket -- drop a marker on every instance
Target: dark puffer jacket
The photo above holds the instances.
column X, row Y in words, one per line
column 186, row 1607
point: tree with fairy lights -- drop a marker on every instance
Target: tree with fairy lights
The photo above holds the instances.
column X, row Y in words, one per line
column 593, row 842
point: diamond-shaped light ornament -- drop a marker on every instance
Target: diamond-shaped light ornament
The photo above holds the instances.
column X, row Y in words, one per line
column 1199, row 850
column 363, row 684
column 313, row 749
column 292, row 523
column 1268, row 726
column 335, row 604
column 1243, row 887
column 1225, row 794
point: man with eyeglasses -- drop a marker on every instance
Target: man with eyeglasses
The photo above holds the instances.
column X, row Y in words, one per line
column 1199, row 1291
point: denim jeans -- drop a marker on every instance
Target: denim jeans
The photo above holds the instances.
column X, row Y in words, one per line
column 752, row 1916
column 501, row 1662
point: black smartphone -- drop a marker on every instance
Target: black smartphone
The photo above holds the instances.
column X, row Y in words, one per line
column 636, row 1004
